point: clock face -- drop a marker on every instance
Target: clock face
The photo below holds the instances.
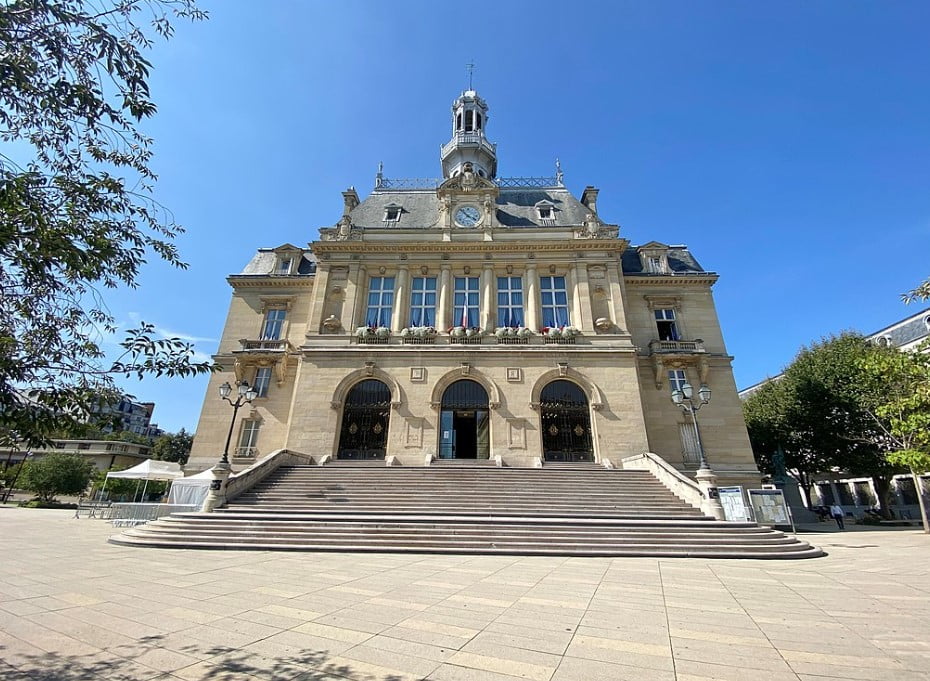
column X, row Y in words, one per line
column 467, row 216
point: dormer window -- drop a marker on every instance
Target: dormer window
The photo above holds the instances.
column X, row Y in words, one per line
column 284, row 266
column 654, row 258
column 392, row 213
column 546, row 213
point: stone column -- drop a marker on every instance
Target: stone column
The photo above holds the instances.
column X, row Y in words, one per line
column 617, row 310
column 399, row 313
column 581, row 295
column 487, row 298
column 444, row 313
column 531, row 298
column 318, row 301
column 353, row 285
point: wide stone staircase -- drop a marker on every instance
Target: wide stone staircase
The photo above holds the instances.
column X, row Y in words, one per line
column 569, row 510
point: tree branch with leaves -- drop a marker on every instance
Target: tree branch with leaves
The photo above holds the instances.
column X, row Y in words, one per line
column 78, row 213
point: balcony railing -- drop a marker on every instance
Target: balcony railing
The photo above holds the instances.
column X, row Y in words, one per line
column 459, row 139
column 263, row 345
column 465, row 340
column 558, row 341
column 245, row 452
column 443, row 339
column 372, row 340
column 676, row 346
column 421, row 340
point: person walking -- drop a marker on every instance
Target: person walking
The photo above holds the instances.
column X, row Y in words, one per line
column 838, row 515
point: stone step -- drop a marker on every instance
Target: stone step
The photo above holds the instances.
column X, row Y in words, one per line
column 389, row 538
column 630, row 550
column 571, row 509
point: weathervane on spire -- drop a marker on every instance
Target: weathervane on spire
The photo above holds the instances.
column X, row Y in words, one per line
column 470, row 68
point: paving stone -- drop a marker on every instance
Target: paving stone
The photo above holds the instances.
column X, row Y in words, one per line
column 69, row 601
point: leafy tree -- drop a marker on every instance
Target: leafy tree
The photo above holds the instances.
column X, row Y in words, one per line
column 173, row 447
column 77, row 207
column 916, row 462
column 56, row 473
column 922, row 292
column 903, row 410
column 819, row 411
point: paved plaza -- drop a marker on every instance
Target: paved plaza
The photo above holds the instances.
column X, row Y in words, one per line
column 74, row 607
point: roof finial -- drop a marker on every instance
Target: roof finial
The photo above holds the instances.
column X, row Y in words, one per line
column 470, row 67
column 558, row 171
column 379, row 178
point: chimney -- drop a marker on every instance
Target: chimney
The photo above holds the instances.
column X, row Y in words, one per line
column 350, row 200
column 589, row 198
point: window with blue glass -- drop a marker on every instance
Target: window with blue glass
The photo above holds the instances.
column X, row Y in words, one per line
column 423, row 301
column 466, row 302
column 554, row 299
column 380, row 301
column 274, row 323
column 509, row 301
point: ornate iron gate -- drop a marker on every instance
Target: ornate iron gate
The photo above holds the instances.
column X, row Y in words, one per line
column 365, row 421
column 566, row 423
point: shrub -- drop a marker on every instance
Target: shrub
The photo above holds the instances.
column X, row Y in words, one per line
column 55, row 474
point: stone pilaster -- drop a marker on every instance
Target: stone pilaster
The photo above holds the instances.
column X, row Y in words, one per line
column 531, row 299
column 486, row 320
column 399, row 313
column 444, row 313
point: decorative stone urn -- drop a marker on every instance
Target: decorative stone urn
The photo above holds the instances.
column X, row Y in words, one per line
column 331, row 324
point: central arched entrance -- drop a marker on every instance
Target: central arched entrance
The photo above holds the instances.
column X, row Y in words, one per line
column 464, row 422
column 365, row 421
column 566, row 423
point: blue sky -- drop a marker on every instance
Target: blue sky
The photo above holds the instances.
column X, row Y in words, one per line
column 786, row 143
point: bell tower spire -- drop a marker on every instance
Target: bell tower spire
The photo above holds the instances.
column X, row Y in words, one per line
column 468, row 143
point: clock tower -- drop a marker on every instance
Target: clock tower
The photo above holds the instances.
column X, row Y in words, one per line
column 469, row 145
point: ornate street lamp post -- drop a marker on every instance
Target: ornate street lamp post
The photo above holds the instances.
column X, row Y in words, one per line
column 706, row 479
column 244, row 394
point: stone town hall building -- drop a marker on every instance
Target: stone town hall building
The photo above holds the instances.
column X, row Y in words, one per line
column 474, row 317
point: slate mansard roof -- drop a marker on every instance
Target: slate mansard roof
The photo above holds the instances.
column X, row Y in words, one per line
column 264, row 262
column 680, row 261
column 515, row 208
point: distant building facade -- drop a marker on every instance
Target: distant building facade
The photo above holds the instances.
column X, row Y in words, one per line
column 104, row 454
column 129, row 415
column 474, row 317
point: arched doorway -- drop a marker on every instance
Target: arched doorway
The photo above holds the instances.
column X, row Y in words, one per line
column 365, row 420
column 566, row 423
column 464, row 422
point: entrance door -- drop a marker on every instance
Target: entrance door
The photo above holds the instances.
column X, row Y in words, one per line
column 566, row 423
column 365, row 421
column 464, row 422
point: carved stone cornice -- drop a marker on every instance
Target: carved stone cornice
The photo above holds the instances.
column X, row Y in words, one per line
column 262, row 281
column 707, row 278
column 617, row 246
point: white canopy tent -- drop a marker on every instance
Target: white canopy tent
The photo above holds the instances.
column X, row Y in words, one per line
column 150, row 469
column 191, row 490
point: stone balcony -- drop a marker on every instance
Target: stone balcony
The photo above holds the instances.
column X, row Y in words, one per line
column 263, row 346
column 485, row 340
column 676, row 347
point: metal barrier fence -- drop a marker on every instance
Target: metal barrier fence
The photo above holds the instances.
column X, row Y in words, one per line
column 121, row 514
